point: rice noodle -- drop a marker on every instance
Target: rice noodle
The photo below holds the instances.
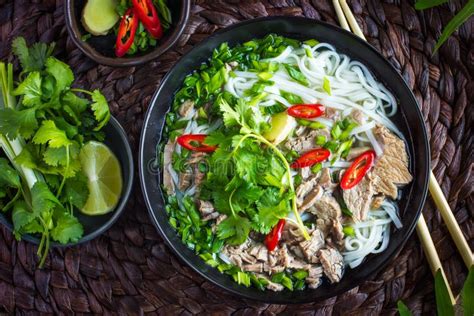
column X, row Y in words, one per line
column 371, row 235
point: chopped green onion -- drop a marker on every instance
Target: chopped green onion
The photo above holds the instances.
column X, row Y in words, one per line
column 300, row 274
column 327, row 85
column 320, row 140
column 265, row 75
column 336, row 132
column 316, row 168
column 348, row 231
column 311, row 42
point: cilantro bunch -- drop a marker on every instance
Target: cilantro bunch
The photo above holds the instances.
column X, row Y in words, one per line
column 250, row 178
column 44, row 122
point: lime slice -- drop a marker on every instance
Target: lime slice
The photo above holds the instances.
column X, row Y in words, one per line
column 102, row 169
column 282, row 125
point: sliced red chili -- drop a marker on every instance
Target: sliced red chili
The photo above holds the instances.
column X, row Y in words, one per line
column 148, row 15
column 126, row 33
column 274, row 236
column 195, row 142
column 359, row 168
column 311, row 157
column 306, row 110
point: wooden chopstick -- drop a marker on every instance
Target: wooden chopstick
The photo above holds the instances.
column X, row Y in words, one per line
column 450, row 221
column 435, row 190
column 352, row 21
column 430, row 252
column 340, row 15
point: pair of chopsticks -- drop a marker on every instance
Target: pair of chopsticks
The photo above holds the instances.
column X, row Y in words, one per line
column 348, row 22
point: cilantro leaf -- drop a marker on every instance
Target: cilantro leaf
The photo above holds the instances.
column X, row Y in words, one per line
column 30, row 89
column 58, row 156
column 77, row 104
column 67, row 228
column 215, row 138
column 21, row 215
column 42, row 199
column 234, row 229
column 100, row 108
column 8, row 176
column 61, row 72
column 14, row 122
column 33, row 58
column 229, row 115
column 48, row 133
column 76, row 190
column 271, row 208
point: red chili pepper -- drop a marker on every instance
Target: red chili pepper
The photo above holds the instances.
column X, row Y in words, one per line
column 357, row 170
column 273, row 237
column 311, row 157
column 147, row 14
column 126, row 33
column 306, row 110
column 195, row 142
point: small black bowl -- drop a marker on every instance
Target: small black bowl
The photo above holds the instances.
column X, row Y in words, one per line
column 101, row 48
column 408, row 119
column 116, row 139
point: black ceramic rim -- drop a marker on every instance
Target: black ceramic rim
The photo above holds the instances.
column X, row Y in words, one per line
column 126, row 190
column 72, row 27
column 153, row 195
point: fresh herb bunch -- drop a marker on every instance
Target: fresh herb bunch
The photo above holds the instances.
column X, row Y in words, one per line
column 44, row 122
column 247, row 178
column 143, row 40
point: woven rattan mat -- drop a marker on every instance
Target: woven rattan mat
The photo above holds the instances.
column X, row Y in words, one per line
column 130, row 270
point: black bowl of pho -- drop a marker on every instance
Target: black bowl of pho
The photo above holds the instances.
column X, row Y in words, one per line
column 278, row 160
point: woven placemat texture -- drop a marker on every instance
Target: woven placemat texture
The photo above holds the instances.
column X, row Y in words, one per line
column 130, row 270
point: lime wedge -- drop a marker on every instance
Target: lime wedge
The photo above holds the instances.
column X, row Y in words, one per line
column 281, row 126
column 102, row 169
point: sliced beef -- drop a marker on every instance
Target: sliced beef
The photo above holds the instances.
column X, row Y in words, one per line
column 304, row 188
column 256, row 267
column 391, row 169
column 275, row 287
column 359, row 198
column 207, row 210
column 185, row 179
column 219, row 220
column 329, row 215
column 314, row 280
column 377, row 202
column 168, row 182
column 332, row 263
column 312, row 197
column 356, row 152
column 357, row 116
column 332, row 114
column 310, row 248
column 186, row 108
column 325, row 180
column 259, row 251
column 306, row 141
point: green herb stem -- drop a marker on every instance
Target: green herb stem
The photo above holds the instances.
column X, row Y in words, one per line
column 288, row 173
